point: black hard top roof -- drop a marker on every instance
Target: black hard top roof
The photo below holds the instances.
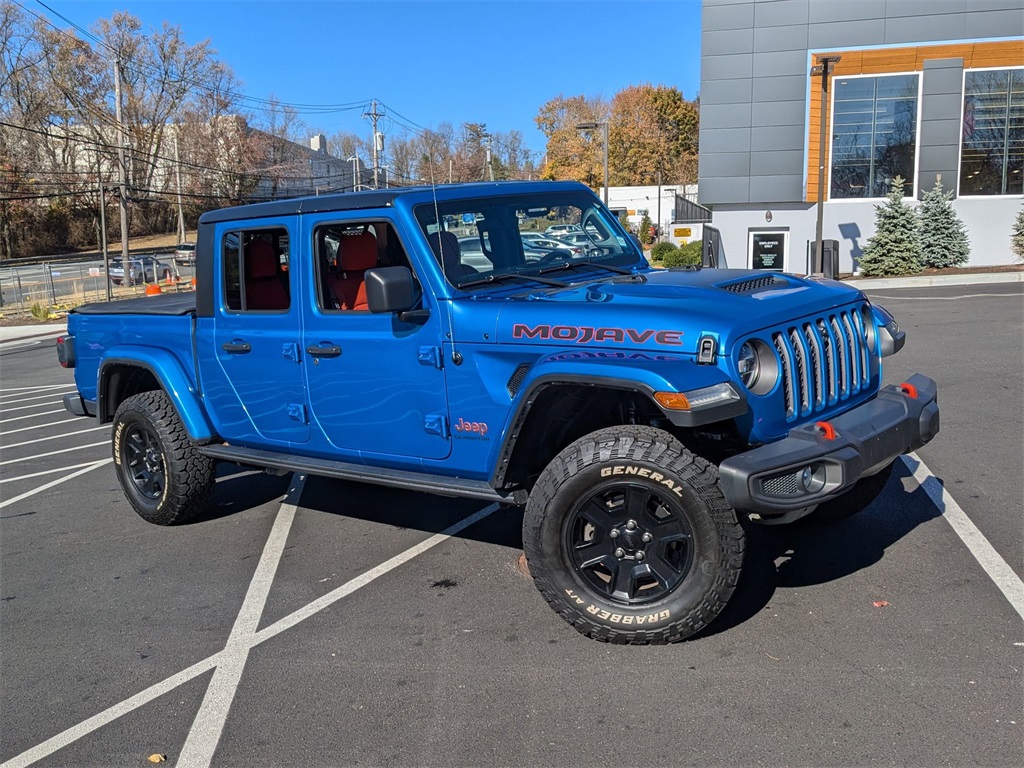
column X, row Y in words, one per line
column 380, row 198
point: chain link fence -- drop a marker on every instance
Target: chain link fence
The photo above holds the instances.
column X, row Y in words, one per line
column 63, row 285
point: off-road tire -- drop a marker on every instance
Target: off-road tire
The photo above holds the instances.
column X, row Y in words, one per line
column 165, row 478
column 646, row 477
column 853, row 501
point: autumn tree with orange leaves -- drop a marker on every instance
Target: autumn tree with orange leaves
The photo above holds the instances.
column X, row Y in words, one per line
column 650, row 129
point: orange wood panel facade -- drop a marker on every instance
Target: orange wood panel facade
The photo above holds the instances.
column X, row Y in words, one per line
column 896, row 60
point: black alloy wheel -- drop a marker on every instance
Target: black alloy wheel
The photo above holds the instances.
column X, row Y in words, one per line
column 145, row 462
column 628, row 543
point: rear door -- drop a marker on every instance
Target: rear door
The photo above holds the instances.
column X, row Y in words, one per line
column 252, row 373
column 376, row 384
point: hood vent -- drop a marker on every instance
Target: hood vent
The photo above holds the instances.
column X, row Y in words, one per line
column 754, row 285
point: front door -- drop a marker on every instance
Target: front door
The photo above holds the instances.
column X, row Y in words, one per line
column 376, row 384
column 252, row 372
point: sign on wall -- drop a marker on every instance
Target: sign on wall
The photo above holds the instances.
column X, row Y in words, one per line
column 768, row 250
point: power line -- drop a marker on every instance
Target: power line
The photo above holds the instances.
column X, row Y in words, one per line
column 194, row 84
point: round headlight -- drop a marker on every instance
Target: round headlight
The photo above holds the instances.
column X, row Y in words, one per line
column 757, row 366
column 748, row 364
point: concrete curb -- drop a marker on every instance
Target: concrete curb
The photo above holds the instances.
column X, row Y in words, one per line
column 934, row 281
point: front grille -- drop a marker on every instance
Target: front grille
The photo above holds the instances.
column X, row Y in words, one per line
column 824, row 360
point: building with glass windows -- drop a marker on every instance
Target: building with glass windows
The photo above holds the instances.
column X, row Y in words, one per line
column 925, row 90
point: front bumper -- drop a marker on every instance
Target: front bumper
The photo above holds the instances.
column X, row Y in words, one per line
column 772, row 479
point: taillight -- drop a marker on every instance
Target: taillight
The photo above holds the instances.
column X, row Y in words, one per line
column 66, row 351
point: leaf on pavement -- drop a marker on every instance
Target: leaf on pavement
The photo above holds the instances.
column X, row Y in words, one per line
column 880, row 603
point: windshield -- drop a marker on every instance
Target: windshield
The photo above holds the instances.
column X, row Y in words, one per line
column 485, row 239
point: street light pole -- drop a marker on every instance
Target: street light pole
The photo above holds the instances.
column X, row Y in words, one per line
column 825, row 66
column 604, row 126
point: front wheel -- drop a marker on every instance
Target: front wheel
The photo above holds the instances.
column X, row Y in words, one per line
column 629, row 538
column 165, row 478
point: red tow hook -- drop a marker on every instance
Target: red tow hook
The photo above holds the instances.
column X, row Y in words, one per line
column 909, row 390
column 826, row 429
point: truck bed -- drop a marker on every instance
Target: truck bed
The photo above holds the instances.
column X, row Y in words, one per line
column 164, row 304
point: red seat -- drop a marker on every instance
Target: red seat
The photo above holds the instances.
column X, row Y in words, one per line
column 263, row 286
column 356, row 254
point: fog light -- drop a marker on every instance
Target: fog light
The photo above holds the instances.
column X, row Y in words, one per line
column 812, row 478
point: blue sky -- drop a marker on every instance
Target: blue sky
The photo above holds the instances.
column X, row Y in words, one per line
column 488, row 61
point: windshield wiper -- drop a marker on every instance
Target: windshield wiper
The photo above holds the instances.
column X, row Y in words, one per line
column 580, row 262
column 511, row 276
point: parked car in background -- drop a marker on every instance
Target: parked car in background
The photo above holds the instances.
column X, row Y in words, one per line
column 472, row 254
column 185, row 255
column 141, row 269
column 578, row 240
column 551, row 243
column 560, row 229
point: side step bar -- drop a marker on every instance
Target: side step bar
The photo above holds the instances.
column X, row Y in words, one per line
column 441, row 485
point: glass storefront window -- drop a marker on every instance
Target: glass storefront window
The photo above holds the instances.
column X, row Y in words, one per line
column 992, row 148
column 874, row 132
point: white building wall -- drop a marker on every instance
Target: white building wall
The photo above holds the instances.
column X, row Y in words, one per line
column 988, row 222
column 639, row 199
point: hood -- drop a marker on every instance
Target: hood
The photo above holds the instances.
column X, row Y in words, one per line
column 666, row 310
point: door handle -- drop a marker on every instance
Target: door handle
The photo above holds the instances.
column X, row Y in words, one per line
column 326, row 349
column 237, row 347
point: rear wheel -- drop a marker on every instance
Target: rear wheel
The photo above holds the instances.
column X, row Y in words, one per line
column 165, row 478
column 629, row 538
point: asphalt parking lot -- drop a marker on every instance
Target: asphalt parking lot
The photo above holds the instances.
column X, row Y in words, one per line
column 306, row 621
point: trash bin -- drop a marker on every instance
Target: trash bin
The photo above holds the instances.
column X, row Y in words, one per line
column 827, row 266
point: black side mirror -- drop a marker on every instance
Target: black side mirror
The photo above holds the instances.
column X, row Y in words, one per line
column 390, row 290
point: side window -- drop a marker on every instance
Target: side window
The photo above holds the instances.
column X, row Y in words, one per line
column 255, row 264
column 344, row 251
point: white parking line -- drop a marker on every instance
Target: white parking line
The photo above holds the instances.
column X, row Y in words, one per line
column 208, row 725
column 45, row 386
column 52, row 483
column 39, row 426
column 26, row 407
column 52, row 453
column 33, row 415
column 947, row 298
column 142, row 698
column 5, row 401
column 54, row 437
column 45, row 472
column 1008, row 582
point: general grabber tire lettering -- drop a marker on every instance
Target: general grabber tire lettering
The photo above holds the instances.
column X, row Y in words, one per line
column 630, row 539
column 853, row 501
column 164, row 477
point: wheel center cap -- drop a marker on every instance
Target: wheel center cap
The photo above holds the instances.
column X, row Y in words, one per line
column 629, row 541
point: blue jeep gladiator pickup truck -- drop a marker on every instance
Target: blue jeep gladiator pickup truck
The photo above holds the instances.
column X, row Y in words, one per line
column 414, row 338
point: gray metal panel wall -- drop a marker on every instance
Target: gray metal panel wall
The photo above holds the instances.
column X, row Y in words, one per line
column 940, row 123
column 759, row 51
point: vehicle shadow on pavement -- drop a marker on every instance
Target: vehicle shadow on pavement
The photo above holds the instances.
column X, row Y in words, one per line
column 412, row 510
column 803, row 554
column 239, row 489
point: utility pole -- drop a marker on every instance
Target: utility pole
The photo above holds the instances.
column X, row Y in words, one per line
column 103, row 231
column 374, row 115
column 659, row 205
column 177, row 173
column 490, row 166
column 122, row 187
column 824, row 68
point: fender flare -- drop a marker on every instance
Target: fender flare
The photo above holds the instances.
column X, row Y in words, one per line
column 680, row 376
column 173, row 380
